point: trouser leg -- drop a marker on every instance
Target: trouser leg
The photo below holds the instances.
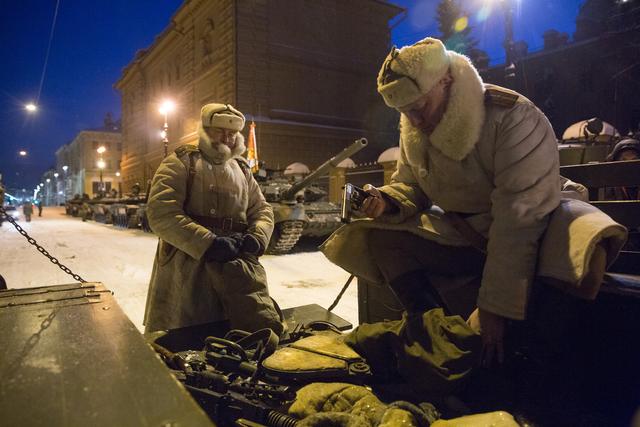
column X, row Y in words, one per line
column 405, row 261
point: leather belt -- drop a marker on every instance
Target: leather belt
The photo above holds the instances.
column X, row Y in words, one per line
column 225, row 224
column 459, row 222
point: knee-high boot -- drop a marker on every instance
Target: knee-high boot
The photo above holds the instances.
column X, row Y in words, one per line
column 415, row 292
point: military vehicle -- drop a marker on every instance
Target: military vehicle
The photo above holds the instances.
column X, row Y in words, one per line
column 296, row 206
column 587, row 141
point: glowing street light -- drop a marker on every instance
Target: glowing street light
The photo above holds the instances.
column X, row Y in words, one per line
column 117, row 173
column 101, row 166
column 48, row 180
column 55, row 175
column 31, row 107
column 64, row 168
column 22, row 153
column 166, row 107
column 508, row 43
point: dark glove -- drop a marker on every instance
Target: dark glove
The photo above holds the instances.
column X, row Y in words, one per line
column 251, row 245
column 223, row 249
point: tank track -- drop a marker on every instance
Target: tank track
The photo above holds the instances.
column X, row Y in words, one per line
column 285, row 236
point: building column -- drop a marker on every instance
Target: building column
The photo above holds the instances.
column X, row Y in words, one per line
column 389, row 169
column 337, row 179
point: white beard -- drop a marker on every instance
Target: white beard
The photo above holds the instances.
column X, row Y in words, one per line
column 218, row 152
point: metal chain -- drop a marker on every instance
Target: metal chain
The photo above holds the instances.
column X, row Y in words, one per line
column 42, row 250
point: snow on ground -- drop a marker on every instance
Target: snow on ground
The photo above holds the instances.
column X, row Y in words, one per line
column 122, row 260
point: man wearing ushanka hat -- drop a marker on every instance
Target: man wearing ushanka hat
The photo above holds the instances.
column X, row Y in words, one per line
column 213, row 223
column 476, row 192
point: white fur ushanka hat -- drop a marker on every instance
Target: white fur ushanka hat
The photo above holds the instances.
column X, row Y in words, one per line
column 408, row 73
column 222, row 116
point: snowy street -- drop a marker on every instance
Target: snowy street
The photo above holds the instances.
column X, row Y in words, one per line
column 122, row 260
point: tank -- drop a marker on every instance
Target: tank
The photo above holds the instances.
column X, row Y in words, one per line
column 297, row 206
column 125, row 213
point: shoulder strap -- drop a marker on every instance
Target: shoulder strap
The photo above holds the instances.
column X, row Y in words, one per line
column 186, row 153
column 244, row 165
column 499, row 96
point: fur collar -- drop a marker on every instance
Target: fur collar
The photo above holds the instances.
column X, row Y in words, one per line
column 219, row 153
column 461, row 125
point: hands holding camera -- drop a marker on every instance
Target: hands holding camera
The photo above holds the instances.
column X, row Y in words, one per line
column 374, row 205
column 227, row 248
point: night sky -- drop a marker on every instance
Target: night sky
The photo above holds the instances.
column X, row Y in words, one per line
column 93, row 41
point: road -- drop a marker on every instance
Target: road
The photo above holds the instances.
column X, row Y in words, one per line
column 122, row 260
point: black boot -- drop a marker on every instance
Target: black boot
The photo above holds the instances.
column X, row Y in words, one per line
column 415, row 293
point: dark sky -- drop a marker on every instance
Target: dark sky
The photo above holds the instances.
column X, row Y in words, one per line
column 94, row 40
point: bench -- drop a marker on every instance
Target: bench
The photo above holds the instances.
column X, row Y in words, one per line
column 623, row 276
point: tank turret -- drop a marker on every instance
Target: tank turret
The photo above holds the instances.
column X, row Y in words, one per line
column 297, row 208
column 323, row 168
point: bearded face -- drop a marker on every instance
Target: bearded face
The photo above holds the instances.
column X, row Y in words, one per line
column 221, row 144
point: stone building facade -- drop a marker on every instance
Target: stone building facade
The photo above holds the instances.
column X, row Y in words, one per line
column 304, row 71
column 80, row 156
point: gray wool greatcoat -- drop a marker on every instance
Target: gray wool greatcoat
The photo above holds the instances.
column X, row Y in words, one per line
column 507, row 179
column 185, row 289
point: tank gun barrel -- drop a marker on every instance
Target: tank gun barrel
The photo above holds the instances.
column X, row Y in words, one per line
column 356, row 146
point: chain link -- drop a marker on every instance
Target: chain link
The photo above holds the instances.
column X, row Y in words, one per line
column 42, row 250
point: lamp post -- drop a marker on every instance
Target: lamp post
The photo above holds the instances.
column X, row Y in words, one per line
column 66, row 183
column 57, row 188
column 47, row 197
column 166, row 107
column 101, row 165
column 508, row 43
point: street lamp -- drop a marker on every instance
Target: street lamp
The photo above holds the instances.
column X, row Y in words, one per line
column 509, row 45
column 47, row 192
column 166, row 107
column 31, row 107
column 101, row 165
column 57, row 188
column 66, row 182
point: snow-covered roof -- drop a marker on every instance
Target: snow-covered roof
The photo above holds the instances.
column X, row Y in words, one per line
column 579, row 131
column 296, row 168
column 347, row 163
column 389, row 155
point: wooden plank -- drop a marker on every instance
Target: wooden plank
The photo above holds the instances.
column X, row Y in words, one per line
column 628, row 262
column 621, row 284
column 626, row 212
column 71, row 357
column 612, row 174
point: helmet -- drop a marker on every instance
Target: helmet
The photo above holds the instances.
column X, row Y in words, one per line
column 623, row 145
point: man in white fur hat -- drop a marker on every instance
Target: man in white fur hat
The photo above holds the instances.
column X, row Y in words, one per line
column 213, row 223
column 476, row 186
